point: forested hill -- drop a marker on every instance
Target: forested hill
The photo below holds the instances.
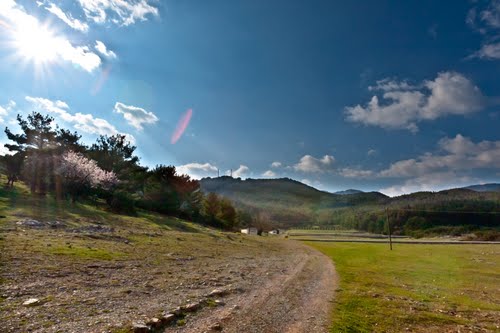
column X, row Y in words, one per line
column 289, row 203
column 283, row 191
column 286, row 202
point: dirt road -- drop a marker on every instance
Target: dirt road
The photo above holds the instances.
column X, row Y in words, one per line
column 299, row 299
column 128, row 279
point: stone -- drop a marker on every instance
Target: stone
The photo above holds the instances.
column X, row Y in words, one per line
column 217, row 292
column 154, row 322
column 216, row 327
column 177, row 311
column 140, row 328
column 219, row 302
column 192, row 307
column 168, row 318
column 32, row 302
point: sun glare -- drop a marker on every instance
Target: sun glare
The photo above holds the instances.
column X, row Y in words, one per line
column 35, row 43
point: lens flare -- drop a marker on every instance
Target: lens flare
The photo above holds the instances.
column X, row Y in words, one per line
column 181, row 126
column 101, row 80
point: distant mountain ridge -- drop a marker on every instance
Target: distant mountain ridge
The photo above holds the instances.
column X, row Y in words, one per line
column 492, row 187
column 289, row 203
column 349, row 191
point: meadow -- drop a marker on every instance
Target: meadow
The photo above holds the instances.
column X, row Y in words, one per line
column 415, row 288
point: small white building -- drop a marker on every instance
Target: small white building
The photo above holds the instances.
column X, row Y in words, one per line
column 249, row 231
column 275, row 232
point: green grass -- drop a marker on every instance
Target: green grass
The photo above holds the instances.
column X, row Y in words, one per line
column 418, row 288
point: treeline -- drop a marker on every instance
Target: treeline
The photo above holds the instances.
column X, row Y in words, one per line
column 53, row 161
column 421, row 214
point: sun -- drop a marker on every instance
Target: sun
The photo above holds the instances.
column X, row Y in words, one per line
column 35, row 43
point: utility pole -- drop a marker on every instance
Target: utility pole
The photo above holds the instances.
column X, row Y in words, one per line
column 218, row 173
column 389, row 227
column 231, row 173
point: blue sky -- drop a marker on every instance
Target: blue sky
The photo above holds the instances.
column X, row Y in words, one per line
column 396, row 96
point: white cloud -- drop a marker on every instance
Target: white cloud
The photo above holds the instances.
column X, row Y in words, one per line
column 198, row 170
column 355, row 173
column 485, row 18
column 309, row 163
column 83, row 122
column 67, row 18
column 269, row 174
column 99, row 46
column 458, row 154
column 276, row 165
column 388, row 84
column 371, row 152
column 241, row 172
column 135, row 116
column 311, row 183
column 403, row 105
column 27, row 30
column 491, row 15
column 431, row 182
column 6, row 109
column 121, row 12
column 488, row 51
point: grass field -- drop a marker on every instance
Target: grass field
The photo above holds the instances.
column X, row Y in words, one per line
column 416, row 288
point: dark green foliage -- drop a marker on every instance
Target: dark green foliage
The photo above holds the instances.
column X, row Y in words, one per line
column 121, row 202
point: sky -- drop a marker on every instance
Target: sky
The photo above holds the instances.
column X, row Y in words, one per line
column 390, row 96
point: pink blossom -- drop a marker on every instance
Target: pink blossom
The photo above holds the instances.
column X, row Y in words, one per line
column 77, row 169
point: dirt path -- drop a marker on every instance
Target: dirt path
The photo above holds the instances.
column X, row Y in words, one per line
column 118, row 281
column 299, row 299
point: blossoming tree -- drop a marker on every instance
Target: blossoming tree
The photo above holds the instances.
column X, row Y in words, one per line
column 81, row 174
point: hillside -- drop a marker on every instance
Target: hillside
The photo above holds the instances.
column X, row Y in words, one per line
column 78, row 267
column 288, row 203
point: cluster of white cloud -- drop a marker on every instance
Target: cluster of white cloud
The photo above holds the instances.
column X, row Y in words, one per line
column 5, row 110
column 311, row 164
column 431, row 182
column 67, row 18
column 202, row 170
column 102, row 49
column 269, row 174
column 121, row 12
column 135, row 116
column 198, row 170
column 450, row 166
column 86, row 123
column 241, row 172
column 487, row 21
column 404, row 105
column 459, row 154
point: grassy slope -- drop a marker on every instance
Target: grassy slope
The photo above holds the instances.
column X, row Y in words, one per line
column 39, row 261
column 423, row 288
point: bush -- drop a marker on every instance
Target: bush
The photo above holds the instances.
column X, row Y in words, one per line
column 122, row 202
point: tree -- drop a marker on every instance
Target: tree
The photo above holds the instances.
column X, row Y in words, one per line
column 12, row 165
column 36, row 144
column 169, row 192
column 211, row 206
column 114, row 153
column 38, row 148
column 227, row 213
column 81, row 174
